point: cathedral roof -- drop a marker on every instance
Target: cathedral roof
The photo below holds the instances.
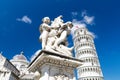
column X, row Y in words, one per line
column 2, row 57
column 34, row 56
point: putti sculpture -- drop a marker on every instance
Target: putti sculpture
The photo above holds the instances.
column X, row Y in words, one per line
column 54, row 36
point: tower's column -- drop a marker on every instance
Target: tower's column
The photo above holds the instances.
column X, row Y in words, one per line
column 85, row 50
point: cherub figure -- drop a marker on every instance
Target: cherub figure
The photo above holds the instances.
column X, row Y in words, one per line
column 44, row 30
column 63, row 32
column 58, row 22
column 60, row 42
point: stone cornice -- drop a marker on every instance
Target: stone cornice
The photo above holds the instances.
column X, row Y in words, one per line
column 46, row 57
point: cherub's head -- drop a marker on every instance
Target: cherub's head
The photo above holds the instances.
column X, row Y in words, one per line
column 69, row 24
column 60, row 16
column 46, row 20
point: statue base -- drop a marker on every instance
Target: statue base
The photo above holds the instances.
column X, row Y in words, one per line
column 54, row 66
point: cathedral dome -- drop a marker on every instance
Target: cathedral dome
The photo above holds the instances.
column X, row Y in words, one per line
column 20, row 62
column 19, row 57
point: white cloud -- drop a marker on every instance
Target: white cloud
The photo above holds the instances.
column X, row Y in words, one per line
column 89, row 20
column 80, row 24
column 76, row 21
column 74, row 14
column 25, row 19
column 84, row 13
column 86, row 20
column 77, row 24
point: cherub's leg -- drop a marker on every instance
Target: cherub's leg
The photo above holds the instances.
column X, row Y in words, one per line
column 44, row 39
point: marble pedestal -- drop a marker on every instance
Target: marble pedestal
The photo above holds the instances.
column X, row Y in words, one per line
column 54, row 66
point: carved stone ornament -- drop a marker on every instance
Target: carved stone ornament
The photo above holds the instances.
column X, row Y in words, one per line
column 54, row 36
column 61, row 77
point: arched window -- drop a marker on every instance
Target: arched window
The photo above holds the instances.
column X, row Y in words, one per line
column 88, row 69
column 91, row 69
column 86, row 60
column 83, row 70
column 87, row 39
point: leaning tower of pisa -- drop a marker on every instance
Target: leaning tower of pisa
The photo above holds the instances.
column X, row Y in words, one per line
column 85, row 50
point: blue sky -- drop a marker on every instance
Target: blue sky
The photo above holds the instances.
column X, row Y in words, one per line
column 20, row 20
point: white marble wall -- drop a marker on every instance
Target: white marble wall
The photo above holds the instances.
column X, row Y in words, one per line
column 53, row 72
